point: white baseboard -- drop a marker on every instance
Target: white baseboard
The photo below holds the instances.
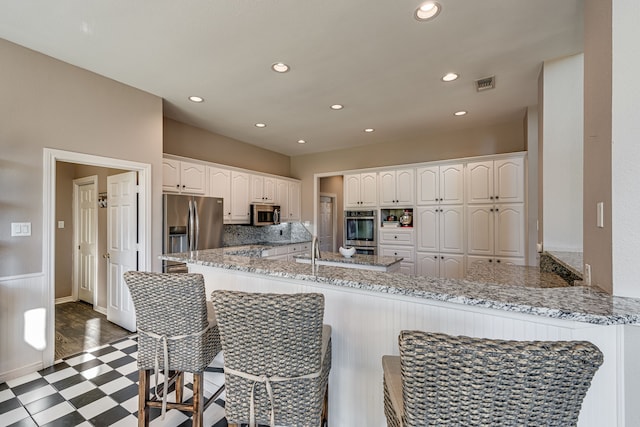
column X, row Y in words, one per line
column 101, row 310
column 19, row 372
column 63, row 300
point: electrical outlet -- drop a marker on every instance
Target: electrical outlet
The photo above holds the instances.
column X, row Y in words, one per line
column 587, row 274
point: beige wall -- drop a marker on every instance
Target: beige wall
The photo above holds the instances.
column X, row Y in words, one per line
column 501, row 138
column 65, row 174
column 597, row 140
column 183, row 140
column 45, row 102
column 48, row 103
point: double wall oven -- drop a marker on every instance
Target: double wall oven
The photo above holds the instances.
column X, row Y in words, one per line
column 360, row 231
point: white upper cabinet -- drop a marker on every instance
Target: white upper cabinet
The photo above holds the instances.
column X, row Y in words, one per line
column 220, row 186
column 496, row 230
column 282, row 197
column 496, row 181
column 396, row 187
column 441, row 229
column 183, row 177
column 240, row 201
column 440, row 184
column 263, row 189
column 360, row 190
column 294, row 201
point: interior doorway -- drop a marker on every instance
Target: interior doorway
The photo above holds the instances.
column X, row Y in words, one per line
column 327, row 219
column 52, row 251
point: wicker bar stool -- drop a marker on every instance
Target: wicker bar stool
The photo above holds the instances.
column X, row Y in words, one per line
column 277, row 357
column 177, row 333
column 453, row 381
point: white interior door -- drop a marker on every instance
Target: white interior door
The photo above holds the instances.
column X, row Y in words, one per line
column 326, row 229
column 85, row 238
column 122, row 224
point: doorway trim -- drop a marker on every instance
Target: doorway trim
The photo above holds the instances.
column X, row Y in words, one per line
column 93, row 179
column 50, row 157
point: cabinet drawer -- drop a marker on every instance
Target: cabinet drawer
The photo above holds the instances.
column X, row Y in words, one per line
column 302, row 247
column 406, row 253
column 397, row 237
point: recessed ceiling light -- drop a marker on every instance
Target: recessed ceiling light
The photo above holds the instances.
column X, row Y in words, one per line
column 428, row 10
column 369, row 130
column 460, row 113
column 196, row 99
column 302, row 141
column 449, row 77
column 337, row 107
column 280, row 67
column 260, row 125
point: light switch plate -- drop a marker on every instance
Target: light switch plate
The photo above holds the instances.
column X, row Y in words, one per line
column 20, row 229
column 60, row 224
column 600, row 215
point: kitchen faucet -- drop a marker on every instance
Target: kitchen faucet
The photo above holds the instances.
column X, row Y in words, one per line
column 315, row 250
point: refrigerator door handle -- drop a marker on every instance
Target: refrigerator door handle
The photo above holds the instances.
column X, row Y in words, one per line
column 190, row 223
column 197, row 229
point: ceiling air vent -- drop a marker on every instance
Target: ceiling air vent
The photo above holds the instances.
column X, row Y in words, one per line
column 486, row 83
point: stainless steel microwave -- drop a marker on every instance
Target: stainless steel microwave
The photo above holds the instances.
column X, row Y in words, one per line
column 265, row 214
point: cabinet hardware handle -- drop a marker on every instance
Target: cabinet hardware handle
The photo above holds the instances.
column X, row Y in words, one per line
column 177, row 185
column 490, row 260
column 497, row 260
column 497, row 197
column 491, row 197
column 496, row 209
column 441, row 257
column 491, row 210
column 435, row 256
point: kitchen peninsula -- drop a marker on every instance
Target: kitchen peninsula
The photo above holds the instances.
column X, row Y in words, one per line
column 368, row 309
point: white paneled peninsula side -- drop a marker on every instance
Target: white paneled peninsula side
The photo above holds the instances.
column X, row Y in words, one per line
column 368, row 309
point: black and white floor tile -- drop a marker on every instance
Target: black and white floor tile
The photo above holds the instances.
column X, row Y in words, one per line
column 96, row 388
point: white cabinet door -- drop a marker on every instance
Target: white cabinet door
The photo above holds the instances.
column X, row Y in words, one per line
column 256, row 188
column 192, row 178
column 405, row 185
column 360, row 190
column 452, row 266
column 480, row 230
column 294, row 201
column 282, row 198
column 509, row 230
column 269, row 189
column 369, row 189
column 220, row 186
column 428, row 185
column 170, row 175
column 480, row 182
column 440, row 185
column 240, row 197
column 451, row 186
column 428, row 229
column 428, row 264
column 451, row 229
column 396, row 187
column 387, row 186
column 509, row 180
column 352, row 190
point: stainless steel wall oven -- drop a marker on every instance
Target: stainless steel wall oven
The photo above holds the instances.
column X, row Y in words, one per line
column 360, row 231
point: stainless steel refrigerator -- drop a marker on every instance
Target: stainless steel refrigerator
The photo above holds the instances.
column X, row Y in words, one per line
column 190, row 223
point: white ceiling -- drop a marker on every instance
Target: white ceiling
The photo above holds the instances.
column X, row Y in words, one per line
column 370, row 55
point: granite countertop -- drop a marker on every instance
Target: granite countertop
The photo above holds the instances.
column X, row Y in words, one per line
column 514, row 275
column 381, row 261
column 572, row 261
column 576, row 303
column 254, row 250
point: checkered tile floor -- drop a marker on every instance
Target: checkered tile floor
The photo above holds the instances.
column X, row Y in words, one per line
column 96, row 388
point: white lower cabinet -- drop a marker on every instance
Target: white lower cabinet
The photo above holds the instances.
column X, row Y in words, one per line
column 440, row 265
column 287, row 252
column 407, row 265
column 475, row 260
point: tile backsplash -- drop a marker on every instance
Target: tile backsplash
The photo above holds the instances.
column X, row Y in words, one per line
column 237, row 235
